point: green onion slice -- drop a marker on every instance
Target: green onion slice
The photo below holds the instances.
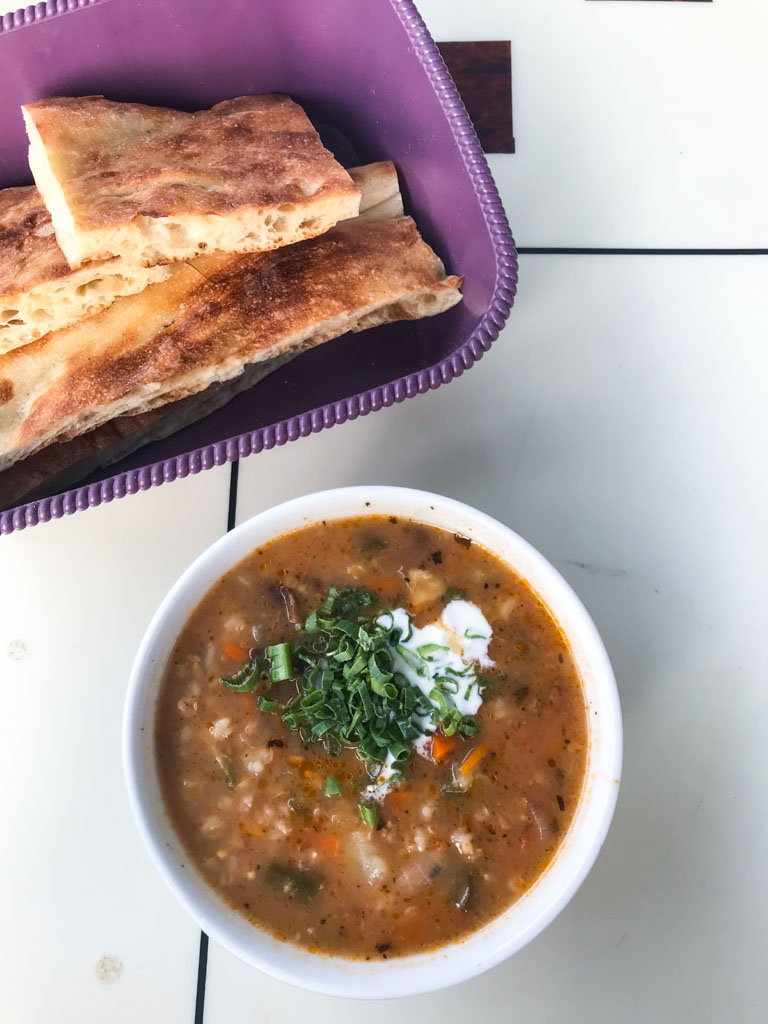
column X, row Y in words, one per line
column 411, row 659
column 326, row 608
column 427, row 650
column 280, row 664
column 246, row 678
column 332, row 786
column 447, row 685
column 368, row 814
column 388, row 622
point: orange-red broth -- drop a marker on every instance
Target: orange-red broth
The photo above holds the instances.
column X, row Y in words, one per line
column 394, row 889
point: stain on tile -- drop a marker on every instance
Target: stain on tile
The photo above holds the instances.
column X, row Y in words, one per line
column 109, row 969
column 597, row 569
column 17, row 650
column 482, row 72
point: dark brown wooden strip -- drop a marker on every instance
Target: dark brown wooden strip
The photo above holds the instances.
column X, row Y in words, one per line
column 482, row 72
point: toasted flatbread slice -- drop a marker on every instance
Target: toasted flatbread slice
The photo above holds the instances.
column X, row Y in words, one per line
column 380, row 196
column 155, row 185
column 207, row 323
column 380, row 199
column 38, row 290
column 65, row 464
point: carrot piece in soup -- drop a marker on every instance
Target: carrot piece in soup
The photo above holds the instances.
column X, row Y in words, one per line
column 251, row 830
column 399, row 797
column 442, row 746
column 326, row 842
column 472, row 760
column 232, row 650
column 384, row 583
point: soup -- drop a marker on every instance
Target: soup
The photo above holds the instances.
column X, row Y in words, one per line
column 371, row 737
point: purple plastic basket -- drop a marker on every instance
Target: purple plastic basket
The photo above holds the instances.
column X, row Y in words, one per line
column 373, row 81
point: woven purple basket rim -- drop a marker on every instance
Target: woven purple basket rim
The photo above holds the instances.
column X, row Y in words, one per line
column 39, row 12
column 468, row 353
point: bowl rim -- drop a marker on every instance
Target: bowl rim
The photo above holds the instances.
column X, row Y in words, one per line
column 493, row 942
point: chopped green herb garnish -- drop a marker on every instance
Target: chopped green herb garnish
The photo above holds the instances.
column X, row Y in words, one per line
column 447, row 685
column 349, row 601
column 403, row 637
column 427, row 650
column 468, row 671
column 326, row 608
column 247, row 678
column 280, row 665
column 348, row 691
column 311, row 626
column 454, row 594
column 368, row 814
column 412, row 660
column 332, row 786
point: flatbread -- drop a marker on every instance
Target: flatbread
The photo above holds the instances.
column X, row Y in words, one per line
column 64, row 464
column 211, row 320
column 38, row 290
column 154, row 185
column 379, row 191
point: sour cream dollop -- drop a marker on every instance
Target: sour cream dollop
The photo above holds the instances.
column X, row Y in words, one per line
column 449, row 647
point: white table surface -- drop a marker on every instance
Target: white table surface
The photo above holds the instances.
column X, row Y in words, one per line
column 620, row 425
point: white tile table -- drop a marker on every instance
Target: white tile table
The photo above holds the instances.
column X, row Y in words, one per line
column 619, row 424
column 637, row 123
column 90, row 932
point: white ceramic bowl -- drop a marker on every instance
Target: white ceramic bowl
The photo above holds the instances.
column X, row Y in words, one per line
column 459, row 960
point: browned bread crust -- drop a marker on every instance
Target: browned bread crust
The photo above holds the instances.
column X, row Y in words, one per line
column 155, row 185
column 39, row 292
column 213, row 318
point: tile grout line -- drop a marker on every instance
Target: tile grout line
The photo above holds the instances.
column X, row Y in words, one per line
column 547, row 250
column 232, row 510
column 202, row 972
column 202, row 960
